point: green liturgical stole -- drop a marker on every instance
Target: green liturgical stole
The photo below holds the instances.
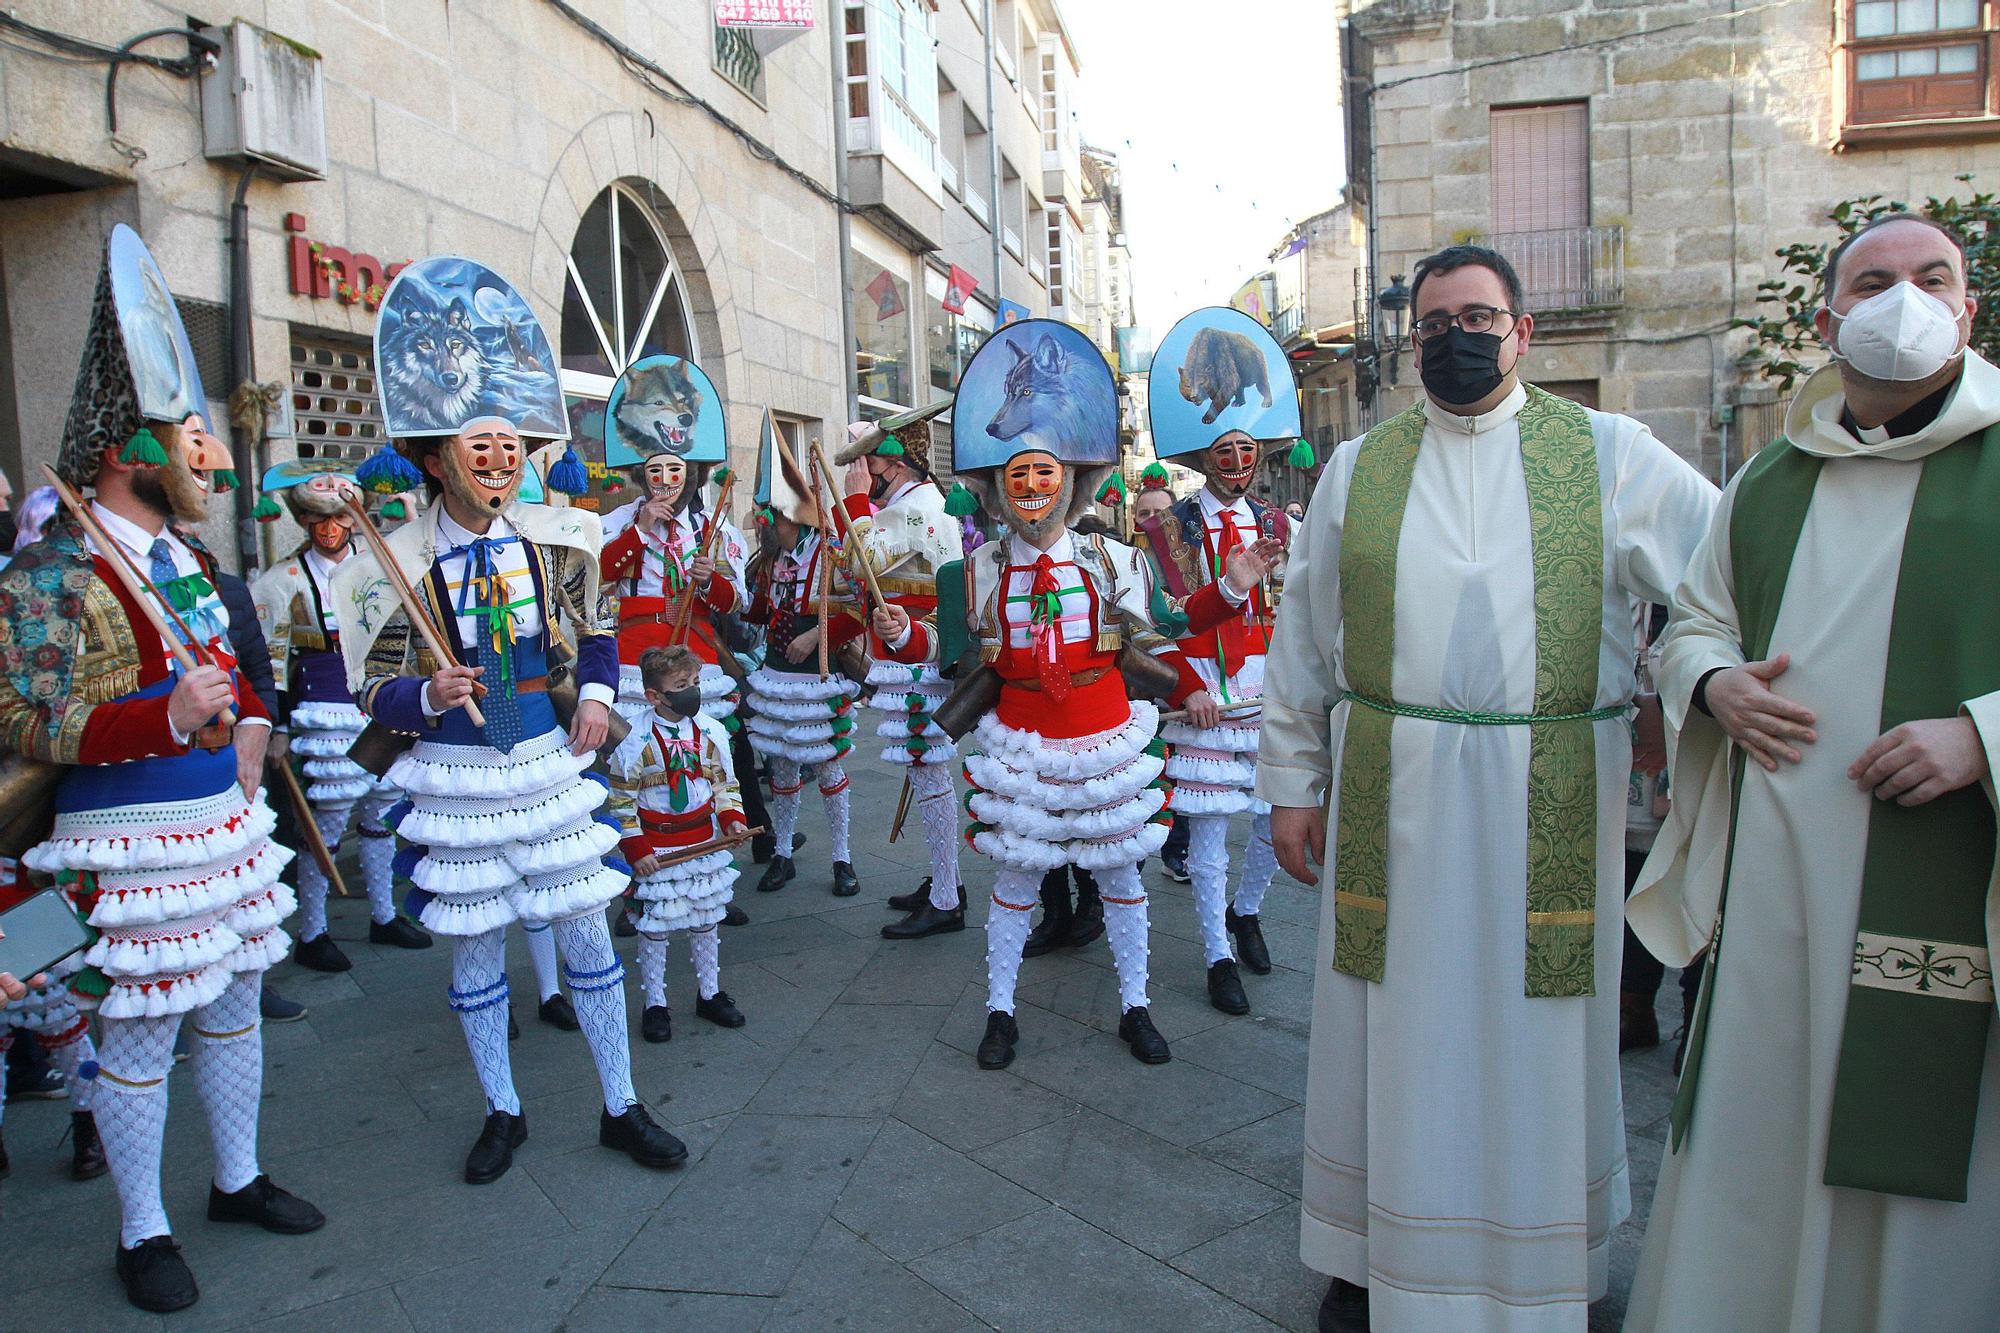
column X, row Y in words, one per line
column 1913, row 1043
column 1566, row 519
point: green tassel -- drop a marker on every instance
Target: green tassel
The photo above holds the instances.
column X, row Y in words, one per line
column 267, row 510
column 1154, row 475
column 225, row 480
column 1158, row 749
column 842, row 725
column 1112, row 492
column 395, row 509
column 732, row 724
column 918, row 746
column 889, row 448
column 765, row 515
column 960, row 502
column 841, row 745
column 1301, row 456
column 143, row 450
column 723, row 476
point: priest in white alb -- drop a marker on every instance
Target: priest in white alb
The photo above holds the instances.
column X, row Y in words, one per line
column 1448, row 709
column 1832, row 670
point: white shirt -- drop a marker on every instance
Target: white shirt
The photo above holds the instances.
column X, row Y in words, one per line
column 1076, row 621
column 320, row 570
column 138, row 544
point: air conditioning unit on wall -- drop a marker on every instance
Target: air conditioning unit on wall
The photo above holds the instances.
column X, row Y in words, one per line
column 265, row 101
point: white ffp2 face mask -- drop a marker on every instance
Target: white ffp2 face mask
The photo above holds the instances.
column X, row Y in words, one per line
column 1902, row 334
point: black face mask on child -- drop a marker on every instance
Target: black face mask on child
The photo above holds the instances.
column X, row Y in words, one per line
column 685, row 702
column 1459, row 367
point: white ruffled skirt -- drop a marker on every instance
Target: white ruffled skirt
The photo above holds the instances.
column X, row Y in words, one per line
column 505, row 837
column 187, row 897
column 718, row 692
column 901, row 692
column 322, row 734
column 690, row 896
column 1214, row 771
column 805, row 718
column 1087, row 801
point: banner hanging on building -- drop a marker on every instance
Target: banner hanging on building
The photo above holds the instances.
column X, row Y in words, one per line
column 958, row 289
column 764, row 13
column 1011, row 312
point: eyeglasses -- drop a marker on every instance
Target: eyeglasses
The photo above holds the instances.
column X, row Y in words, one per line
column 1473, row 319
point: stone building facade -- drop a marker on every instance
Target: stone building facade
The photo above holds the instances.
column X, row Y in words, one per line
column 1641, row 164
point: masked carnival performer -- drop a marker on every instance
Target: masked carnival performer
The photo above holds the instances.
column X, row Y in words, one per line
column 502, row 817
column 674, row 789
column 317, row 718
column 1061, row 625
column 897, row 522
column 49, row 1016
column 1221, row 387
column 800, row 716
column 159, row 839
column 663, row 548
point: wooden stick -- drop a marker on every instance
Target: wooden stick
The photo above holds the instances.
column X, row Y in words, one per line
column 825, row 567
column 902, row 808
column 708, row 537
column 859, row 555
column 310, row 828
column 149, row 598
column 727, row 841
column 412, row 606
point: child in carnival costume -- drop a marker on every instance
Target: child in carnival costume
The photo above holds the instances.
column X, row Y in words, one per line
column 1061, row 625
column 673, row 787
column 1220, row 430
column 801, row 719
column 502, row 817
column 897, row 521
column 160, row 837
column 317, row 717
column 48, row 1015
column 665, row 415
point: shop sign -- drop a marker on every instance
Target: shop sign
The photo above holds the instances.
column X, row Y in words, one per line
column 333, row 272
column 764, row 13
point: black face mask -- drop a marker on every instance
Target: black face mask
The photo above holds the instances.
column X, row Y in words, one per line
column 685, row 702
column 1460, row 367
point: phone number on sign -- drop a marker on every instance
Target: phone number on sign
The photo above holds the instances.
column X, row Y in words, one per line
column 772, row 13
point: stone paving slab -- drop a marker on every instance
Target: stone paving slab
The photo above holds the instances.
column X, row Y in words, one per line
column 851, row 1168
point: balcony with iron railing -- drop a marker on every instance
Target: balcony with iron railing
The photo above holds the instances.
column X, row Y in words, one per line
column 1576, row 269
column 1288, row 321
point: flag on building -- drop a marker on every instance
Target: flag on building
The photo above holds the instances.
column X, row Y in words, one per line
column 888, row 301
column 960, row 287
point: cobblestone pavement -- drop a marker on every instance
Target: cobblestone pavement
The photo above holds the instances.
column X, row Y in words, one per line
column 851, row 1167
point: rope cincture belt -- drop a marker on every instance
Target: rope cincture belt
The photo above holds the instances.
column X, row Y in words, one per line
column 1465, row 719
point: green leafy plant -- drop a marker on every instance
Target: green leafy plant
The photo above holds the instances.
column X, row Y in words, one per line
column 1785, row 347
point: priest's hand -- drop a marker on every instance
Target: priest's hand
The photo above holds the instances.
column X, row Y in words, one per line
column 1202, row 711
column 250, row 742
column 1299, row 831
column 1250, row 565
column 1921, row 761
column 1758, row 718
column 589, row 727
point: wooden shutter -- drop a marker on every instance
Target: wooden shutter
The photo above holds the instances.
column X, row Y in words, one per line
column 1541, row 167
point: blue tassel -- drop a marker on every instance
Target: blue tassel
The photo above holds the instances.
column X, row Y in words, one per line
column 404, row 863
column 397, row 813
column 568, row 475
column 415, row 902
column 618, row 864
column 596, row 776
column 610, row 822
column 387, row 472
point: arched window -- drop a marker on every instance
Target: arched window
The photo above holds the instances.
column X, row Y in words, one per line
column 624, row 300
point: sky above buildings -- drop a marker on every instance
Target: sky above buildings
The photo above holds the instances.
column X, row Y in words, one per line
column 1224, row 121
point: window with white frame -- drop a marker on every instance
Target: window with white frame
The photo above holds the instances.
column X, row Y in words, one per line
column 895, row 40
column 1058, row 297
column 1919, row 60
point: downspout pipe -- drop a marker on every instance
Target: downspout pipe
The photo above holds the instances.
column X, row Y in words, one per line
column 243, row 443
column 993, row 157
column 850, row 380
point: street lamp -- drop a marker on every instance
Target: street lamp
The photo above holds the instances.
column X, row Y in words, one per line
column 1394, row 302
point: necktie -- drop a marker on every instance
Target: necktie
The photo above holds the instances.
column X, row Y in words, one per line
column 163, row 570
column 493, row 643
column 1044, row 614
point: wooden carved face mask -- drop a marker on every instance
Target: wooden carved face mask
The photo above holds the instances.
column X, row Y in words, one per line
column 481, row 465
column 1036, row 487
column 1231, row 464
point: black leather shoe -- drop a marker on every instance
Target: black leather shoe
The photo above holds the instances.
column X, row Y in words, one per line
column 761, row 847
column 88, row 1161
column 156, row 1278
column 268, row 1206
column 1087, row 925
column 558, row 1012
column 780, row 873
column 1225, row 988
column 1344, row 1308
column 720, row 1010
column 399, row 932
column 513, row 1028
column 1249, row 937
column 624, row 927
column 845, row 885
column 493, row 1151
column 640, row 1138
column 321, row 955
column 907, row 902
column 735, row 916
column 927, row 920
column 656, row 1024
column 1136, row 1030
column 996, row 1048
